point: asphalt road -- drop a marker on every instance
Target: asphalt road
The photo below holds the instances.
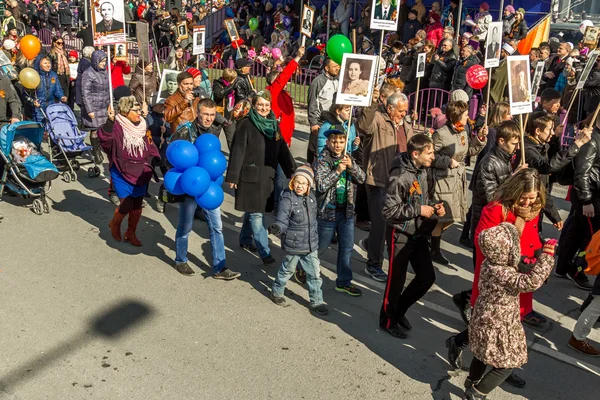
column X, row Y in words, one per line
column 84, row 317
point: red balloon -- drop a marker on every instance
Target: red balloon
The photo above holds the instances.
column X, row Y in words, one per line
column 477, row 77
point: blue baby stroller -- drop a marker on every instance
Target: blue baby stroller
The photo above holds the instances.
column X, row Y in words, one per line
column 24, row 170
column 67, row 142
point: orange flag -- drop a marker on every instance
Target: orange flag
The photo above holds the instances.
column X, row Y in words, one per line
column 536, row 35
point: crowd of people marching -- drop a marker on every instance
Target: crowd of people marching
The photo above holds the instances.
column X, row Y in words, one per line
column 367, row 168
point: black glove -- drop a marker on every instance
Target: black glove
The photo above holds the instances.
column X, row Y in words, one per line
column 274, row 229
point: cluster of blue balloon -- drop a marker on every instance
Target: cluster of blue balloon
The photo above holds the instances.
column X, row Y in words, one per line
column 198, row 170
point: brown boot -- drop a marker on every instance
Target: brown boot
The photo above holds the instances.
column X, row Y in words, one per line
column 134, row 219
column 583, row 346
column 115, row 225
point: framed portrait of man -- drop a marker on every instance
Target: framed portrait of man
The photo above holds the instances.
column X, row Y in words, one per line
column 357, row 79
column 308, row 15
column 591, row 36
column 108, row 22
column 493, row 45
column 198, row 36
column 537, row 78
column 168, row 83
column 588, row 68
column 384, row 14
column 182, row 32
column 519, row 85
column 231, row 29
column 120, row 51
column 421, row 60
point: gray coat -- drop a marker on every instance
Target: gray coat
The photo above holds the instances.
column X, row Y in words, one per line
column 297, row 220
column 451, row 183
column 95, row 94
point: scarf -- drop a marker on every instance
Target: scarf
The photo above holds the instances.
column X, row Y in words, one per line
column 458, row 127
column 63, row 63
column 230, row 96
column 133, row 136
column 525, row 214
column 267, row 126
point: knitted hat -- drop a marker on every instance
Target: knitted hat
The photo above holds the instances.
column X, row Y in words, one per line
column 521, row 10
column 435, row 16
column 459, row 95
column 305, row 171
column 9, row 44
column 73, row 53
column 413, row 12
column 189, row 15
column 510, row 9
column 194, row 72
column 484, row 6
column 120, row 92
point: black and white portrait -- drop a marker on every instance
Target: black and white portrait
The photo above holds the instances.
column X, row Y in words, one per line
column 182, row 32
column 168, row 83
column 120, row 50
column 357, row 76
column 307, row 21
column 198, row 40
column 108, row 22
column 493, row 45
column 537, row 78
column 421, row 60
column 591, row 62
column 231, row 29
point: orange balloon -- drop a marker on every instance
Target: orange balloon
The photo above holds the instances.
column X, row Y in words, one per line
column 30, row 46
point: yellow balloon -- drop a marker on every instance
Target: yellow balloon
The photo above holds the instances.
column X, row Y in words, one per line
column 29, row 78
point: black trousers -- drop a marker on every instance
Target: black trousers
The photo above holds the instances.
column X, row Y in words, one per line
column 230, row 133
column 362, row 204
column 576, row 233
column 404, row 249
column 491, row 380
column 377, row 234
column 311, row 152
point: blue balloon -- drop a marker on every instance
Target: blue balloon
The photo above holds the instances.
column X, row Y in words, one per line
column 214, row 163
column 212, row 198
column 172, row 180
column 207, row 142
column 219, row 181
column 182, row 154
column 195, row 181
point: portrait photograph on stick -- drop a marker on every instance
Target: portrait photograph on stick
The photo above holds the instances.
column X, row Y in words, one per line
column 182, row 32
column 588, row 68
column 421, row 60
column 493, row 45
column 108, row 22
column 519, row 85
column 199, row 33
column 308, row 15
column 168, row 83
column 537, row 78
column 384, row 14
column 231, row 29
column 357, row 75
column 591, row 36
column 120, row 51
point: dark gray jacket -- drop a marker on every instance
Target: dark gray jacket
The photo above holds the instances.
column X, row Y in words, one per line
column 297, row 222
column 95, row 95
column 10, row 105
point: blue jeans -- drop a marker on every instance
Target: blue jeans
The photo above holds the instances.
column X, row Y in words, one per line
column 215, row 230
column 310, row 265
column 345, row 232
column 280, row 184
column 254, row 226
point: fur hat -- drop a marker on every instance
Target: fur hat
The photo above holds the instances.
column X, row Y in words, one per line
column 305, row 171
column 501, row 245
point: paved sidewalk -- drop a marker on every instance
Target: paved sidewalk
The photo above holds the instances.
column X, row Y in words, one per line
column 86, row 317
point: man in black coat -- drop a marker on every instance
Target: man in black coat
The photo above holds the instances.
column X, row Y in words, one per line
column 584, row 219
column 10, row 107
column 443, row 66
column 556, row 65
column 65, row 17
column 466, row 61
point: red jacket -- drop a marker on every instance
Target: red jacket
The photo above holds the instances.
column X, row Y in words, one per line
column 493, row 215
column 435, row 33
column 281, row 102
column 117, row 70
column 140, row 10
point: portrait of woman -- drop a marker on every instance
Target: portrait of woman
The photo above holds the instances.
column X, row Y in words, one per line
column 356, row 77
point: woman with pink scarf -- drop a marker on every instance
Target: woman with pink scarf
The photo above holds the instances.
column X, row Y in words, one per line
column 130, row 149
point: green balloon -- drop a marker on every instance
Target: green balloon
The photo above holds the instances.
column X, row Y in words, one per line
column 337, row 46
column 253, row 23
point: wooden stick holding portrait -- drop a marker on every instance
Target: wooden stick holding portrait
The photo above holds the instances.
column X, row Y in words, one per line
column 421, row 60
column 519, row 93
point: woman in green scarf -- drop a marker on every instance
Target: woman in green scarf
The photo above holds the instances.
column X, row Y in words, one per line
column 256, row 152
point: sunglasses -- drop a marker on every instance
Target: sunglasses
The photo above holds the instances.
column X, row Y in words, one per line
column 60, row 43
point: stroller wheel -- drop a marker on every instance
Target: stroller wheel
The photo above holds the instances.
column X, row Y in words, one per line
column 38, row 206
column 66, row 176
column 91, row 173
column 46, row 207
column 73, row 176
column 96, row 171
column 75, row 165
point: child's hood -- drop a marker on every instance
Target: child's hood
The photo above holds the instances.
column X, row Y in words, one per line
column 501, row 245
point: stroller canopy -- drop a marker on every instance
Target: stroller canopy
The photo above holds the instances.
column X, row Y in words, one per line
column 34, row 131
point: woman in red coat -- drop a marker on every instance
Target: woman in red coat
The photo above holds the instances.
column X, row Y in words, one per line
column 518, row 201
column 434, row 30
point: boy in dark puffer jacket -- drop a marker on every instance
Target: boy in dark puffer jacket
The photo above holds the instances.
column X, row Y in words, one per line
column 297, row 224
